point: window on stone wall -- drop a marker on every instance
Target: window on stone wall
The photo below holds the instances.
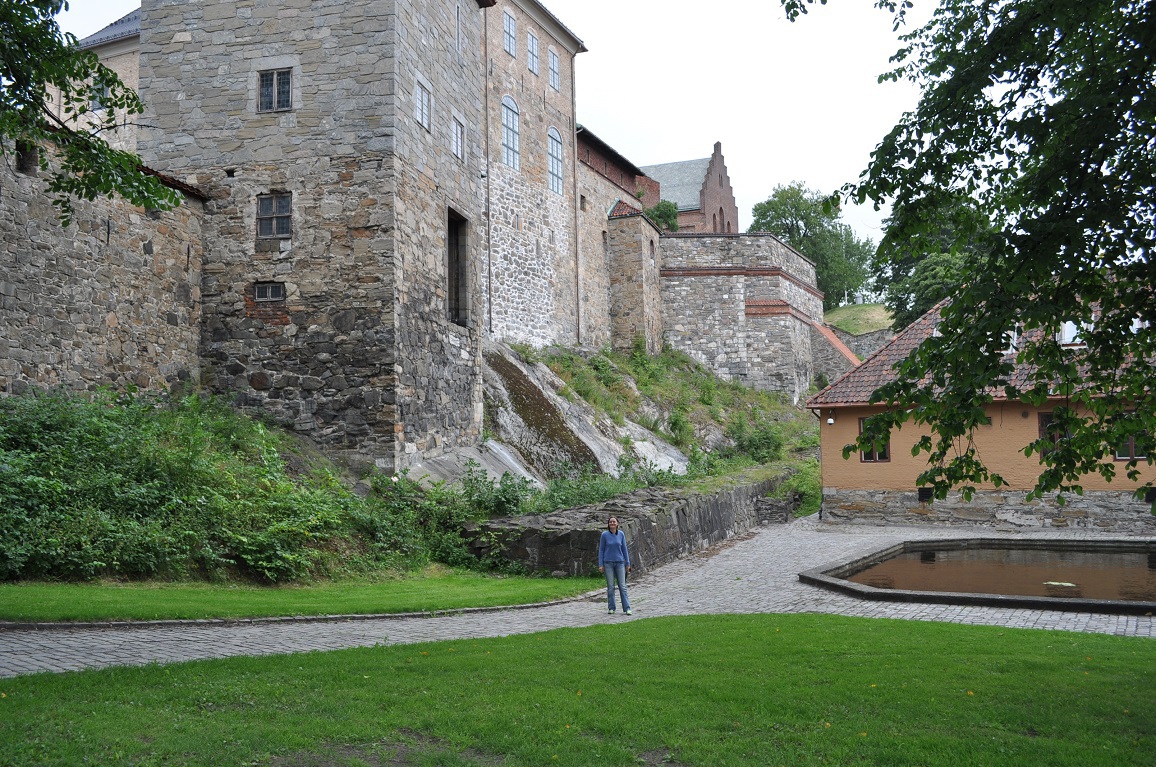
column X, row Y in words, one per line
column 555, row 71
column 532, row 51
column 423, row 106
column 510, row 36
column 879, row 452
column 458, row 139
column 275, row 90
column 457, row 284
column 554, row 165
column 274, row 215
column 511, row 134
column 269, row 291
column 27, row 158
column 99, row 96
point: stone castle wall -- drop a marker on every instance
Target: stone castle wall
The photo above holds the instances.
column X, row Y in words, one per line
column 742, row 305
column 112, row 300
column 530, row 280
column 364, row 268
column 635, row 288
column 438, row 364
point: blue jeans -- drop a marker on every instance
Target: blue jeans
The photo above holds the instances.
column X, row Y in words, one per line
column 615, row 571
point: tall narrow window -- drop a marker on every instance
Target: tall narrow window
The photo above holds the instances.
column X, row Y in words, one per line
column 458, row 36
column 458, row 139
column 510, row 36
column 275, row 91
column 274, row 215
column 880, row 451
column 457, row 284
column 532, row 51
column 555, row 71
column 554, row 160
column 511, row 134
column 423, row 106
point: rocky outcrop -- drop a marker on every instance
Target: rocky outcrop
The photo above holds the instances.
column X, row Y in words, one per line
column 661, row 525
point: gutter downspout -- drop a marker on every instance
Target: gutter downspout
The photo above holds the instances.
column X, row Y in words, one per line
column 486, row 169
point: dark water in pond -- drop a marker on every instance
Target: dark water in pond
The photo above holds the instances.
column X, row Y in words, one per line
column 1028, row 572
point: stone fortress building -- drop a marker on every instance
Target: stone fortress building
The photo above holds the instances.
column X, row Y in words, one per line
column 372, row 189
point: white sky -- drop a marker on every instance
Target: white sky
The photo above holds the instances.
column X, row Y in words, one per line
column 665, row 79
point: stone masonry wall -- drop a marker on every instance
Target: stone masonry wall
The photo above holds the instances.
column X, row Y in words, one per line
column 741, row 305
column 826, row 358
column 598, row 197
column 661, row 525
column 113, row 300
column 865, row 344
column 531, row 276
column 635, row 297
column 439, row 400
column 364, row 268
column 1104, row 511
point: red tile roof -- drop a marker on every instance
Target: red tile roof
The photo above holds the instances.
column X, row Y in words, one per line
column 856, row 385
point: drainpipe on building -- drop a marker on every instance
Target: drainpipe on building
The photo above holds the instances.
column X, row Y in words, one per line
column 486, row 171
column 574, row 205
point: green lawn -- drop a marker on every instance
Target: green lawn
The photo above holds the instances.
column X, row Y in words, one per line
column 705, row 690
column 432, row 589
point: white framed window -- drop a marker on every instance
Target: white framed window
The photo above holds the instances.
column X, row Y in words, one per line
column 423, row 106
column 554, row 160
column 458, row 139
column 269, row 291
column 510, row 36
column 1070, row 334
column 275, row 90
column 511, row 134
column 275, row 215
column 532, row 51
column 555, row 71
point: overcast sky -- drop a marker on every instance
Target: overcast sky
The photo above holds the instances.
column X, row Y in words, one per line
column 663, row 80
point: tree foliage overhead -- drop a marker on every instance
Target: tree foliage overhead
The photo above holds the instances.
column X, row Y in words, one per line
column 916, row 271
column 48, row 87
column 1042, row 112
column 803, row 220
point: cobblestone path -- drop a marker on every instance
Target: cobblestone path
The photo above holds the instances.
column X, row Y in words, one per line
column 756, row 573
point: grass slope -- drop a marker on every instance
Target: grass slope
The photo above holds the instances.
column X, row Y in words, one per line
column 858, row 319
column 707, row 690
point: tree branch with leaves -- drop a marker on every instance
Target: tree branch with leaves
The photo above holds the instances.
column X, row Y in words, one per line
column 42, row 68
column 1042, row 115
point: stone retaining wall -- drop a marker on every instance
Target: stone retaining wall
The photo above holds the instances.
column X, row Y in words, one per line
column 1104, row 511
column 661, row 525
column 113, row 300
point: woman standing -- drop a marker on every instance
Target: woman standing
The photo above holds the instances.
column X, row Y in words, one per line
column 614, row 562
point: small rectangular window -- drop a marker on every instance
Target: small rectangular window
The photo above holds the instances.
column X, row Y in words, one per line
column 532, row 52
column 99, row 97
column 275, row 90
column 879, row 452
column 1135, row 446
column 274, row 215
column 423, row 106
column 269, row 291
column 555, row 72
column 510, row 34
column 458, row 139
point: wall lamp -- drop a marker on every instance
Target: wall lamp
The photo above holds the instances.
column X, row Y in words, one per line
column 830, row 417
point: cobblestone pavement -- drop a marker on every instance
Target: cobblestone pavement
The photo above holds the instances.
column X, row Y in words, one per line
column 756, row 573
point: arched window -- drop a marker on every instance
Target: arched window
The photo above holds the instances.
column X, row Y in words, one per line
column 554, row 163
column 511, row 134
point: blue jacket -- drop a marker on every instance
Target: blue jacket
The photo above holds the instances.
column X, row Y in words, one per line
column 612, row 549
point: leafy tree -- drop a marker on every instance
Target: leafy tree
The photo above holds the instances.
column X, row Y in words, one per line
column 665, row 214
column 40, row 65
column 1043, row 112
column 802, row 218
column 916, row 271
